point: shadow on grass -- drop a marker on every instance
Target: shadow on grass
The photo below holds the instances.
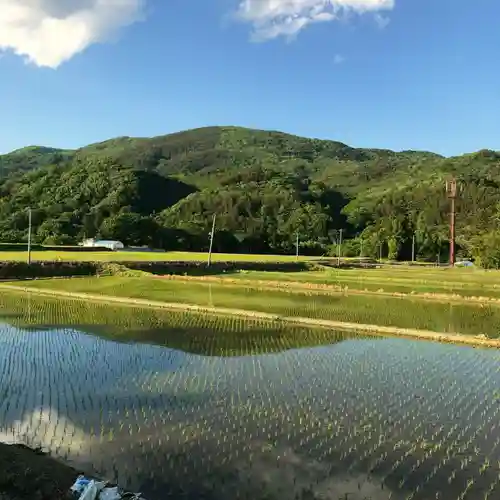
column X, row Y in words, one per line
column 217, row 268
column 228, row 268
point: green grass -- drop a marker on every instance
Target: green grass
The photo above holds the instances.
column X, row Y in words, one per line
column 378, row 310
column 50, row 255
column 464, row 282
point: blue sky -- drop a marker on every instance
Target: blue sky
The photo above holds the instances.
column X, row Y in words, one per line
column 399, row 74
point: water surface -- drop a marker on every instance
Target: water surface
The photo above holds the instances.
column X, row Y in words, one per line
column 469, row 318
column 220, row 408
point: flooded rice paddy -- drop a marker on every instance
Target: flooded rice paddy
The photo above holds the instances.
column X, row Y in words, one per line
column 449, row 317
column 196, row 406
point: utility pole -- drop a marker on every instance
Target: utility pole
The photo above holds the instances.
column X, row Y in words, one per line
column 339, row 248
column 381, row 235
column 297, row 247
column 29, row 235
column 413, row 248
column 211, row 242
column 451, row 190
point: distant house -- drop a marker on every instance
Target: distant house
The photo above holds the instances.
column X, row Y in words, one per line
column 111, row 244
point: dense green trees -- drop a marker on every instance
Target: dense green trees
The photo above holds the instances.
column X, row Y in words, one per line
column 265, row 187
column 486, row 249
column 86, row 198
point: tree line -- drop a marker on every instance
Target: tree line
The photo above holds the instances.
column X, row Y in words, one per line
column 265, row 189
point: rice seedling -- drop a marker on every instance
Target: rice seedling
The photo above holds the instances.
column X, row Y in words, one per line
column 403, row 312
column 197, row 406
column 400, row 279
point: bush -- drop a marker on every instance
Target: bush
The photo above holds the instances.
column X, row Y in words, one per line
column 21, row 270
column 351, row 248
column 74, row 249
column 18, row 247
column 23, row 247
column 59, row 239
column 200, row 268
column 486, row 250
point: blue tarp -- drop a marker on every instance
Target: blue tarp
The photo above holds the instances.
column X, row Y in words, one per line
column 90, row 489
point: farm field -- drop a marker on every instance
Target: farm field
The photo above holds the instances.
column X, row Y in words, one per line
column 470, row 319
column 156, row 402
column 204, row 334
column 124, row 256
column 396, row 279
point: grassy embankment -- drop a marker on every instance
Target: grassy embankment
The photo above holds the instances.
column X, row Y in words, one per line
column 398, row 312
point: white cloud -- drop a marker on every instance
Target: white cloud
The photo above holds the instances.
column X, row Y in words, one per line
column 273, row 18
column 382, row 21
column 338, row 59
column 50, row 32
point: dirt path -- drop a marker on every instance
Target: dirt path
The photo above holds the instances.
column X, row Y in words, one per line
column 479, row 340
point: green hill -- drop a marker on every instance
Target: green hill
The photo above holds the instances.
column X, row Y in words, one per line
column 31, row 157
column 264, row 186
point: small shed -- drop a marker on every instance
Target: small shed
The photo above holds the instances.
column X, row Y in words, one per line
column 111, row 244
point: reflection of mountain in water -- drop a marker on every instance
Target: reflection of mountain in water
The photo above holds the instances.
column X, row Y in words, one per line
column 197, row 333
column 126, row 407
column 353, row 417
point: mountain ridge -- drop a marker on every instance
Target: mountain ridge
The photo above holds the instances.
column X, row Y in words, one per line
column 227, row 127
column 265, row 187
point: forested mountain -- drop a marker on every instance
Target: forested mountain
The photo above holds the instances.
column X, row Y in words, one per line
column 265, row 187
column 29, row 158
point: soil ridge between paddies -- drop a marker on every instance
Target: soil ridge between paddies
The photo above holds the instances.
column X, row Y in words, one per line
column 479, row 340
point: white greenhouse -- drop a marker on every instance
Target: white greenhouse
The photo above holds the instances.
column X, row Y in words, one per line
column 111, row 244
